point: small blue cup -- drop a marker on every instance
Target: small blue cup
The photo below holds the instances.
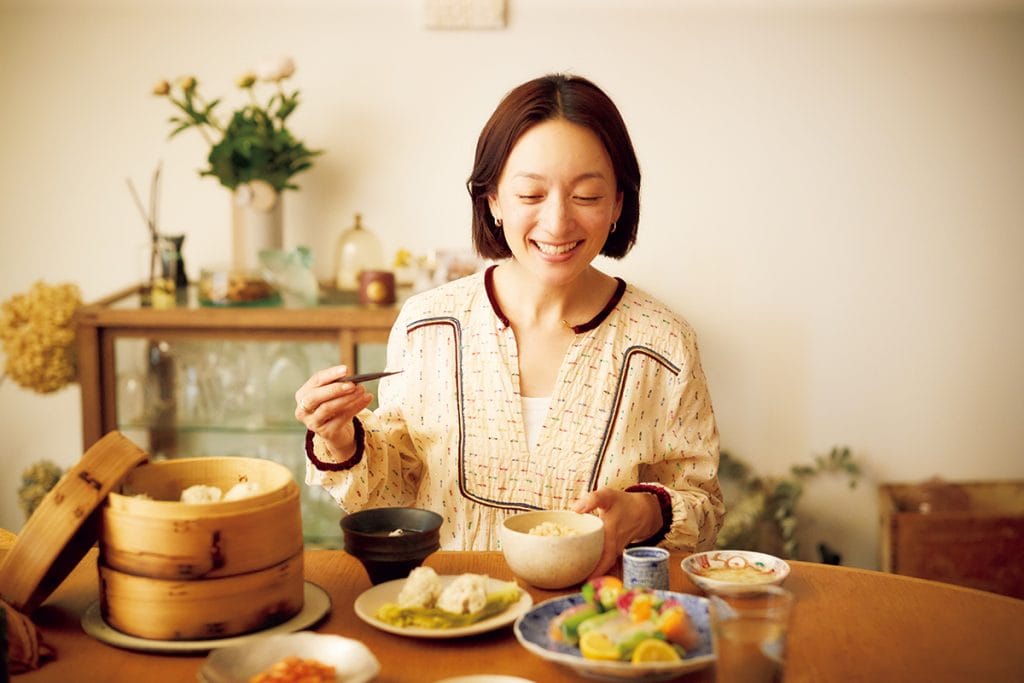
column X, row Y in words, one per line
column 645, row 567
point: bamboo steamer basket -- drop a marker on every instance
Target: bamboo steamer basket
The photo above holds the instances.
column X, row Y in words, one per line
column 161, row 538
column 162, row 609
column 183, row 571
column 233, row 585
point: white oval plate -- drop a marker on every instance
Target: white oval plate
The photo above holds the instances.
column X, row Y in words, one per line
column 315, row 604
column 352, row 661
column 367, row 604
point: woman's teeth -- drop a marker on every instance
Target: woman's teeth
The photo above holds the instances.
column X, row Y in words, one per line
column 555, row 249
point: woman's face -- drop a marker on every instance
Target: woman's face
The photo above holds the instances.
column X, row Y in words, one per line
column 557, row 200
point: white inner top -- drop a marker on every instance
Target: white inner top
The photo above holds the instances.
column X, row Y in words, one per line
column 534, row 410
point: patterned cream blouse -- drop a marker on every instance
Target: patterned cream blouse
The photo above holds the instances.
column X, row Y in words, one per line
column 630, row 406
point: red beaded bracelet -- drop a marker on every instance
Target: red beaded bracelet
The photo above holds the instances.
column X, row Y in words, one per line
column 664, row 502
column 357, row 426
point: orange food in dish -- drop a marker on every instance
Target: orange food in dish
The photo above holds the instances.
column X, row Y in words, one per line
column 297, row 670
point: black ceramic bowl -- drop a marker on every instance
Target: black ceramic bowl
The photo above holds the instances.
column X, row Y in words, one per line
column 391, row 542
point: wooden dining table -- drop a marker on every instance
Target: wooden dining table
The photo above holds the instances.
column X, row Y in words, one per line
column 848, row 625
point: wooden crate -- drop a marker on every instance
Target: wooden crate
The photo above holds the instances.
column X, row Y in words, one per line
column 967, row 533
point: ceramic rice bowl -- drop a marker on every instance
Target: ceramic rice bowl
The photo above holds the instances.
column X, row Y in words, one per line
column 552, row 562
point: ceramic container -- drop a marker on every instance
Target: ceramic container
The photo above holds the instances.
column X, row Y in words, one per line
column 549, row 561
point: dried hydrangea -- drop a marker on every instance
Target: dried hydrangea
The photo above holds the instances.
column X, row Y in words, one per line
column 36, row 482
column 37, row 329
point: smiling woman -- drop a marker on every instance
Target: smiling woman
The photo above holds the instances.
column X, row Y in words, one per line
column 556, row 202
column 542, row 382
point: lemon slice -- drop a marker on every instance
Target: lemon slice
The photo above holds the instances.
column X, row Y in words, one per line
column 596, row 645
column 654, row 650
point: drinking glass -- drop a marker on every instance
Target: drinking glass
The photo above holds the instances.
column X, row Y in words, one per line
column 748, row 627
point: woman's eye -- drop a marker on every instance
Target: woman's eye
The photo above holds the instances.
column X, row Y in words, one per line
column 529, row 197
column 587, row 199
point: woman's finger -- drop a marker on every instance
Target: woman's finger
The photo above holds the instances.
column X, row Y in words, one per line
column 321, row 388
column 340, row 409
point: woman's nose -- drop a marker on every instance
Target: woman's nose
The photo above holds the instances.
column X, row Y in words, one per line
column 556, row 214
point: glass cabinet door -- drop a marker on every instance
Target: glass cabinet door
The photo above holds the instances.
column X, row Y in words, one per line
column 222, row 397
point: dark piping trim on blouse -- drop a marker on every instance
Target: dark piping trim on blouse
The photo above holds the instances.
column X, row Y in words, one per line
column 620, row 289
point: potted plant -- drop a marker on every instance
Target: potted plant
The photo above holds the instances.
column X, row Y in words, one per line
column 252, row 153
column 762, row 511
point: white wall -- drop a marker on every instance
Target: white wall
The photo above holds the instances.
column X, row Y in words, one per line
column 833, row 193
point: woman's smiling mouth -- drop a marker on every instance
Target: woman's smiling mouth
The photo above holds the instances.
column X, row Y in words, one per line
column 555, row 249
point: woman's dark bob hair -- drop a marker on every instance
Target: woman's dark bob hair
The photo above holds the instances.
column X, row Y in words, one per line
column 556, row 96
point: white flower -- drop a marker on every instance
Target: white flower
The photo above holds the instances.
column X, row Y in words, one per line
column 273, row 70
column 286, row 67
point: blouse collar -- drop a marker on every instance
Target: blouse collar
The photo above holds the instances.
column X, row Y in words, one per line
column 620, row 289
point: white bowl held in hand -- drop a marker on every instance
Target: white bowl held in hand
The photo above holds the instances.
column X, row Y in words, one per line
column 549, row 561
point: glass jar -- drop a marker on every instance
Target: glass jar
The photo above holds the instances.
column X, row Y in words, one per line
column 358, row 250
column 166, row 260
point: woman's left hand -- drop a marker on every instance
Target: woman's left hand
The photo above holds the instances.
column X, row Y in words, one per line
column 627, row 518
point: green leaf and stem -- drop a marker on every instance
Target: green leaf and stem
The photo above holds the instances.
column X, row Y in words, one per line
column 255, row 144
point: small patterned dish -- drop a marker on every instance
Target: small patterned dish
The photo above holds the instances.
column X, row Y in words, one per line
column 728, row 569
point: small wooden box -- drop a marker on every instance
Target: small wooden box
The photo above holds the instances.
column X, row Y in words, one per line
column 966, row 533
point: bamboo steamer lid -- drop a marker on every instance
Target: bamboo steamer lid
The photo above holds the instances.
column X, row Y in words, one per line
column 202, row 609
column 160, row 537
column 64, row 526
column 7, row 540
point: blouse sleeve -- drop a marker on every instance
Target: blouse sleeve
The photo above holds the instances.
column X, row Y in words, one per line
column 386, row 469
column 688, row 472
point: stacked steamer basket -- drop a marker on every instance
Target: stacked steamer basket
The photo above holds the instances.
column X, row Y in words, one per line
column 186, row 571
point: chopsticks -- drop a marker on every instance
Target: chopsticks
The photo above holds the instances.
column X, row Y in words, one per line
column 366, row 377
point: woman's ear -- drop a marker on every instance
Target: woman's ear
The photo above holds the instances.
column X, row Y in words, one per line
column 495, row 207
column 617, row 211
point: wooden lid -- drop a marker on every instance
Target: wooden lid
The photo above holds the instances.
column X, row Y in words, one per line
column 66, row 523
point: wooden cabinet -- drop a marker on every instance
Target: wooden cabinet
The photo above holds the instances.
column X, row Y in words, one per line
column 195, row 380
column 967, row 533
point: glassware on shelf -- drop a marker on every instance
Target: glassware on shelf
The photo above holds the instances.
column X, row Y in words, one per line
column 291, row 273
column 161, row 404
column 199, row 394
column 288, row 370
column 358, row 250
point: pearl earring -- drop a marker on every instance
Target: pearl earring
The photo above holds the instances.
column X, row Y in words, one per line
column 497, row 223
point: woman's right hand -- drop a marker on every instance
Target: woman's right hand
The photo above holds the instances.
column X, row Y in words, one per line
column 327, row 406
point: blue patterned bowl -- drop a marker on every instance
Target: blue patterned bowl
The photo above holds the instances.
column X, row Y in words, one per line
column 531, row 631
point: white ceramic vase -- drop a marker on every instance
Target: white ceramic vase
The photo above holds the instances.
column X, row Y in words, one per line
column 257, row 223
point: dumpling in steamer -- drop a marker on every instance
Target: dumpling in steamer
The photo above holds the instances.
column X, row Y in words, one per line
column 243, row 489
column 201, row 493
